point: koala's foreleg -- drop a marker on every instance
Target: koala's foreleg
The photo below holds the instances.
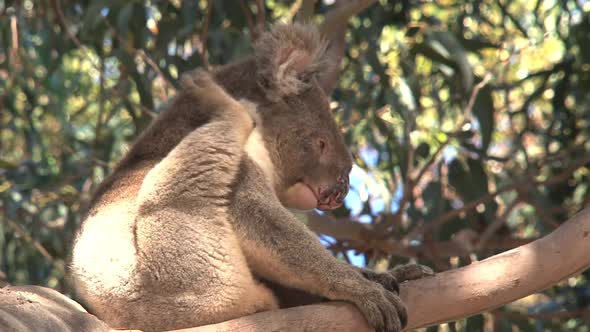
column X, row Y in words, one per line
column 191, row 267
column 280, row 248
column 291, row 297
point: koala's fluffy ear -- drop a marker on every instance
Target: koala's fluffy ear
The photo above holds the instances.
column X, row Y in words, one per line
column 289, row 57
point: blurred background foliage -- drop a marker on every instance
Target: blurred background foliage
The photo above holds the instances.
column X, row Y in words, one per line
column 468, row 121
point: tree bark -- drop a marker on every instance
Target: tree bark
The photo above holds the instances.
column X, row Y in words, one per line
column 450, row 295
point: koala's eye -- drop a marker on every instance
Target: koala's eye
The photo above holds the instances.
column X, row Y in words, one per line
column 322, row 145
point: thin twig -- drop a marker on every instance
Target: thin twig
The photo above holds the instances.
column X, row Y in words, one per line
column 561, row 177
column 410, row 163
column 409, row 183
column 28, row 238
column 363, row 237
column 495, row 226
column 511, row 18
column 14, row 37
column 62, row 23
column 204, row 35
column 144, row 57
column 61, row 20
column 158, row 71
column 260, row 16
column 249, row 20
column 430, row 162
column 64, row 26
column 295, row 7
column 99, row 116
column 474, row 93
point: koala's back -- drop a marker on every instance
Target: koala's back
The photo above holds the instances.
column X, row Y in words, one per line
column 104, row 258
column 157, row 251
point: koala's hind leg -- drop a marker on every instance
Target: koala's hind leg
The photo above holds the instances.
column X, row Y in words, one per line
column 191, row 268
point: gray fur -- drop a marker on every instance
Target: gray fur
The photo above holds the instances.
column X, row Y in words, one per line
column 195, row 216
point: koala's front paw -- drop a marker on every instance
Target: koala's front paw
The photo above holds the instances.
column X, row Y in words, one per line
column 383, row 310
column 392, row 278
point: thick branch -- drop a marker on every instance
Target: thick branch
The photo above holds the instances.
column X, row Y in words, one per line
column 450, row 295
column 337, row 19
column 334, row 30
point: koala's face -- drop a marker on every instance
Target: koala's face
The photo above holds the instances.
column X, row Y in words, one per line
column 293, row 73
column 288, row 78
column 311, row 160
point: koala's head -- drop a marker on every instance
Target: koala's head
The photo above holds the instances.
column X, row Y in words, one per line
column 293, row 71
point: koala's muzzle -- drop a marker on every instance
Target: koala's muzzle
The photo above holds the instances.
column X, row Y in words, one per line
column 331, row 197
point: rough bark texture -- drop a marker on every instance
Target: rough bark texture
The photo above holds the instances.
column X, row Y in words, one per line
column 40, row 309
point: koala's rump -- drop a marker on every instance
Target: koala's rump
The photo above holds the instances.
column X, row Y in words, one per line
column 190, row 272
column 208, row 281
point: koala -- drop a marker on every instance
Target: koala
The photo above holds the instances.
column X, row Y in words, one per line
column 193, row 226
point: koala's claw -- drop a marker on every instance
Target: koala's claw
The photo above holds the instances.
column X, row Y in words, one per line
column 387, row 280
column 411, row 272
column 391, row 279
column 383, row 310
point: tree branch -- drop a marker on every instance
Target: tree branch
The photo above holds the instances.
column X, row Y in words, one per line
column 249, row 20
column 337, row 19
column 307, row 10
column 204, row 35
column 334, row 30
column 361, row 235
column 450, row 295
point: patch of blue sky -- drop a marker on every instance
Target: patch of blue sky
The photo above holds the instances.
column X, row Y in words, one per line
column 172, row 48
column 326, row 240
column 364, row 186
column 358, row 192
column 365, row 218
column 369, row 155
column 449, row 153
column 356, row 259
column 397, row 197
column 377, row 204
column 353, row 201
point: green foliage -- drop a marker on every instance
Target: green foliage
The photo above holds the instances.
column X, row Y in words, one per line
column 476, row 106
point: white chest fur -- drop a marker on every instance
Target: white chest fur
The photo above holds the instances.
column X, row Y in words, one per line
column 257, row 151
